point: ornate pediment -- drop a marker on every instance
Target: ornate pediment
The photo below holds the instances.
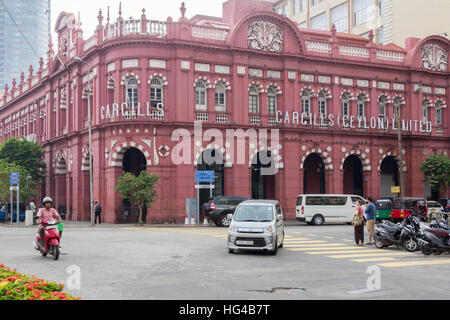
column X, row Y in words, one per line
column 434, row 58
column 265, row 36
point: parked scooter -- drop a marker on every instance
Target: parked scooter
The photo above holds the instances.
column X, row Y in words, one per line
column 50, row 242
column 435, row 239
column 400, row 234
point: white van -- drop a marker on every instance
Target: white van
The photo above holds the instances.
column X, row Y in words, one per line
column 316, row 209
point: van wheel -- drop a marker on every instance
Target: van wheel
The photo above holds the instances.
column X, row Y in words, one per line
column 318, row 220
column 274, row 251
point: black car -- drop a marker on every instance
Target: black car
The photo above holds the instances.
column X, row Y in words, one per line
column 220, row 207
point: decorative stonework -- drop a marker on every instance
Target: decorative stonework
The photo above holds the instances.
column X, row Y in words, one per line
column 265, row 36
column 434, row 58
column 328, row 162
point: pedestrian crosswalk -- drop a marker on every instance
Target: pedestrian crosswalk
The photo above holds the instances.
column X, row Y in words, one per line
column 340, row 249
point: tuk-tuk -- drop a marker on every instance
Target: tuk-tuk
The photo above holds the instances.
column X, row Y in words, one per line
column 383, row 209
column 404, row 207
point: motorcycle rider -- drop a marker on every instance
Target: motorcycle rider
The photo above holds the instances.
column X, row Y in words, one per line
column 47, row 213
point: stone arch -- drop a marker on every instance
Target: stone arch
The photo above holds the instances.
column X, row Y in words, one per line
column 275, row 86
column 257, row 85
column 85, row 158
column 204, row 79
column 351, row 95
column 160, row 76
column 61, row 163
column 364, row 95
column 323, row 153
column 275, row 153
column 127, row 76
column 393, row 155
column 224, row 81
column 119, row 148
column 361, row 155
column 309, row 89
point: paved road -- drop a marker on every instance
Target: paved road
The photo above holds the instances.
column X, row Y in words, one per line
column 168, row 262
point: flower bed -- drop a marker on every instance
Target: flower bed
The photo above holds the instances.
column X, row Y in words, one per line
column 15, row 286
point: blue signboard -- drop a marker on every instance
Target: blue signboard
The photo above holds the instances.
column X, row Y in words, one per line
column 14, row 178
column 204, row 176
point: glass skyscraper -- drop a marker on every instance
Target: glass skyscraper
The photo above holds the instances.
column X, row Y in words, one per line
column 24, row 37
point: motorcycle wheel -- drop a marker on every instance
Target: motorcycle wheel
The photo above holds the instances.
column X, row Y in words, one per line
column 379, row 244
column 55, row 253
column 426, row 251
column 410, row 245
column 43, row 253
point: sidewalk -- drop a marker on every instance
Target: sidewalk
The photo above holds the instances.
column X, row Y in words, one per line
column 87, row 224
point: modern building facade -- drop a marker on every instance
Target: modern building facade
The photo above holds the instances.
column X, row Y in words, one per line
column 391, row 21
column 24, row 36
column 274, row 110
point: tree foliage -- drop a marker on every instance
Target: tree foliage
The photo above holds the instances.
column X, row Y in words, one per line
column 27, row 186
column 26, row 154
column 436, row 170
column 138, row 190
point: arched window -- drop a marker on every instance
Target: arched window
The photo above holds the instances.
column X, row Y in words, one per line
column 220, row 97
column 200, row 95
column 438, row 113
column 156, row 93
column 132, row 92
column 360, row 106
column 306, row 101
column 345, row 103
column 425, row 111
column 110, row 91
column 271, row 100
column 382, row 107
column 322, row 103
column 253, row 99
column 397, row 102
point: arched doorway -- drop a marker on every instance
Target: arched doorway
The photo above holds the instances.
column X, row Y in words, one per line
column 60, row 187
column 389, row 176
column 133, row 162
column 263, row 185
column 353, row 176
column 314, row 175
column 211, row 160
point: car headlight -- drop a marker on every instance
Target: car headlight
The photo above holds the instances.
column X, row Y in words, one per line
column 268, row 230
column 233, row 228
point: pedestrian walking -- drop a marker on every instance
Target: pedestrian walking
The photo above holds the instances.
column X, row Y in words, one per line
column 358, row 223
column 98, row 212
column 370, row 217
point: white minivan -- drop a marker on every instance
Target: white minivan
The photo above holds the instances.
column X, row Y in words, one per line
column 316, row 209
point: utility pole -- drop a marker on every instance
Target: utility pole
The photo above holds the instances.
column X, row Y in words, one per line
column 400, row 151
column 78, row 59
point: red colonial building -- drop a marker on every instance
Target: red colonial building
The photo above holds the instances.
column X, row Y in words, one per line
column 322, row 105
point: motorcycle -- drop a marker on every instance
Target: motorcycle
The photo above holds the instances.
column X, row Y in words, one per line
column 435, row 239
column 50, row 242
column 399, row 234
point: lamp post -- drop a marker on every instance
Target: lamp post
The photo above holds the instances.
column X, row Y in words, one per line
column 78, row 59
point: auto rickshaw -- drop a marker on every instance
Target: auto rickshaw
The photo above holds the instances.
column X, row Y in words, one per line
column 383, row 209
column 404, row 207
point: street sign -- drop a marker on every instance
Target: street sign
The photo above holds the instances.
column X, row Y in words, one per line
column 395, row 189
column 205, row 176
column 14, row 178
column 204, row 180
column 205, row 186
column 14, row 188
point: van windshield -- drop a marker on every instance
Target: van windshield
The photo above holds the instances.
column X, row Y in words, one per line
column 254, row 213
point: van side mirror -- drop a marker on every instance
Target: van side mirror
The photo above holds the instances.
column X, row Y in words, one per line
column 229, row 216
column 280, row 217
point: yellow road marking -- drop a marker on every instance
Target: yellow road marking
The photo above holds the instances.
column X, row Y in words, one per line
column 374, row 254
column 328, row 237
column 413, row 263
column 344, row 251
column 324, row 248
column 373, row 259
column 305, row 242
column 296, row 239
column 307, row 245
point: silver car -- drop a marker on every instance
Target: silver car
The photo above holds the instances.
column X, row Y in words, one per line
column 256, row 225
